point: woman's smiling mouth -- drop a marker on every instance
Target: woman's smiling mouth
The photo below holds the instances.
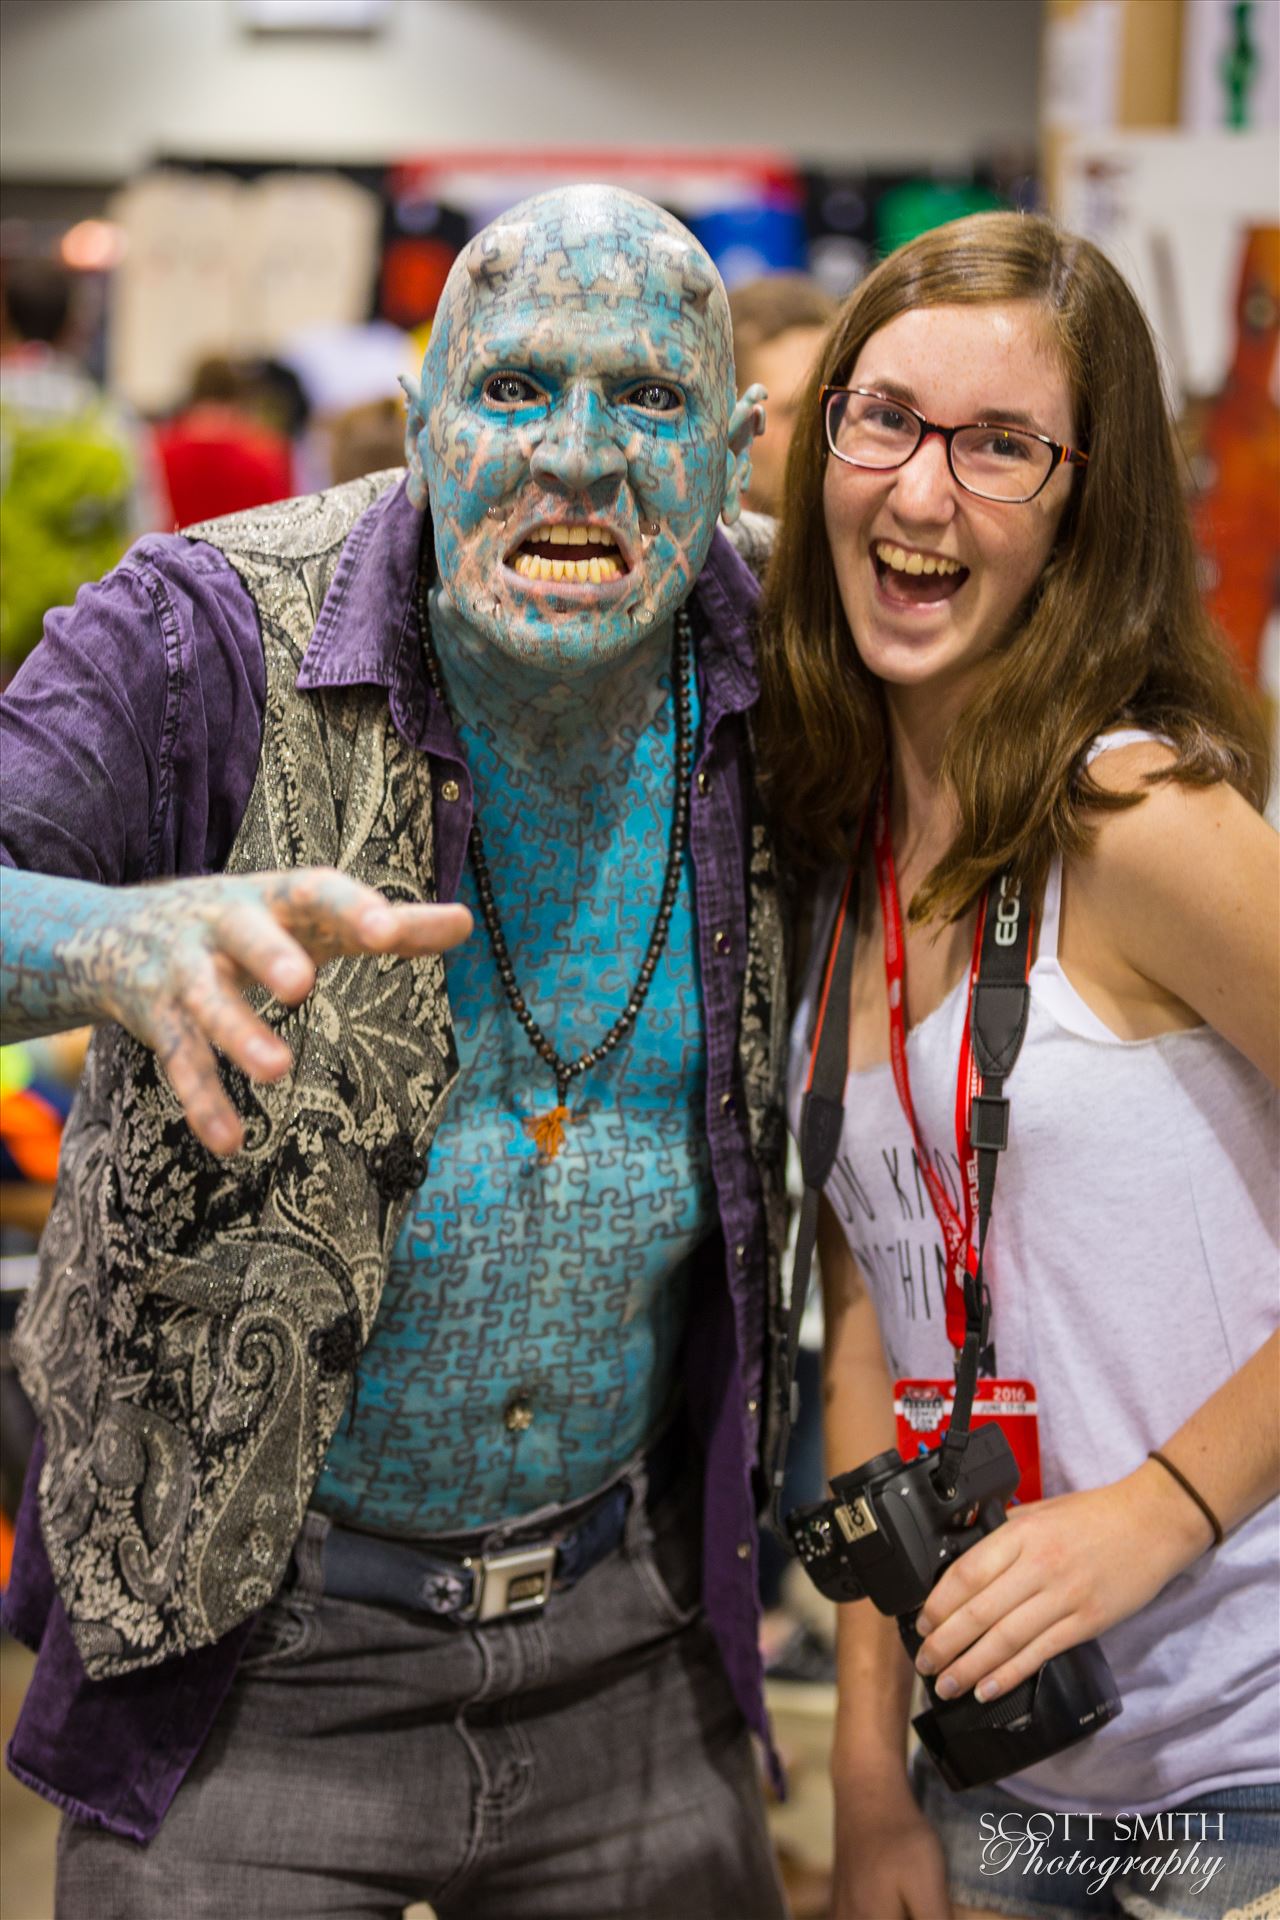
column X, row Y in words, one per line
column 908, row 577
column 569, row 553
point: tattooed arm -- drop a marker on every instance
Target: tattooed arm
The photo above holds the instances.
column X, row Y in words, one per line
column 128, row 745
column 168, row 963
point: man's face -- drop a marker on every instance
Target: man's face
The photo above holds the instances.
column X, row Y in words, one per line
column 573, row 425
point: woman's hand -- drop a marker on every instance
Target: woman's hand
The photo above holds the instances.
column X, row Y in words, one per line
column 889, row 1863
column 1058, row 1572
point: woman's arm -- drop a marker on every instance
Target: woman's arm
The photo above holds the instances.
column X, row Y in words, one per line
column 1174, row 917
column 888, row 1862
column 1064, row 1570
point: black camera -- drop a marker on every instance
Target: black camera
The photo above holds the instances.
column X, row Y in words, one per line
column 889, row 1535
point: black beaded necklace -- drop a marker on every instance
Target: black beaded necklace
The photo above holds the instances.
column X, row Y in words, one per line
column 548, row 1130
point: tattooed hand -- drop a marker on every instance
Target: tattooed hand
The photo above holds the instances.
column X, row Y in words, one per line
column 169, row 962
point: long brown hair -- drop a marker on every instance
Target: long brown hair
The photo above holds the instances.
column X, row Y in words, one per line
column 1113, row 632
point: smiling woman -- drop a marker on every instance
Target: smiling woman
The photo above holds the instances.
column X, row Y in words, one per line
column 983, row 641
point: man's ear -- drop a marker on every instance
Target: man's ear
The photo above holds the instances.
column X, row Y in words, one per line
column 414, row 427
column 745, row 422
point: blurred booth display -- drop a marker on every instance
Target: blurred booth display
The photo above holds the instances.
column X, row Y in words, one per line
column 1190, row 219
column 1230, row 64
column 218, row 265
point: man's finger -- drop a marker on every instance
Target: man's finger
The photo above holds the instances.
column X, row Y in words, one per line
column 187, row 1059
column 251, row 935
column 224, row 1017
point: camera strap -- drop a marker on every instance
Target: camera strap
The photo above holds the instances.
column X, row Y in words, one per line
column 821, row 1124
column 996, row 1024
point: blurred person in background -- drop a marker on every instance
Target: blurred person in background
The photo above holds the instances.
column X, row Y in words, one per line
column 405, row 1373
column 779, row 323
column 216, row 454
column 75, row 481
column 352, row 378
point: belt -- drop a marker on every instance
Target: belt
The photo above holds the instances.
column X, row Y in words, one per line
column 459, row 1579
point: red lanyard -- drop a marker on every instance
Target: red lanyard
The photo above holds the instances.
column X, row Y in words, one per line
column 957, row 1234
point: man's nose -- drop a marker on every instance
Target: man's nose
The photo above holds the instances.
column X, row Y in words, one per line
column 578, row 449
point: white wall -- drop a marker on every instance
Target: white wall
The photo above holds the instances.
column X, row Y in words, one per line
column 94, row 88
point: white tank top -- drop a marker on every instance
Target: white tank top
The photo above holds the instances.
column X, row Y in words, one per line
column 1132, row 1261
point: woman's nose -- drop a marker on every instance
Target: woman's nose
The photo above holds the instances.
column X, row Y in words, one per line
column 578, row 449
column 925, row 487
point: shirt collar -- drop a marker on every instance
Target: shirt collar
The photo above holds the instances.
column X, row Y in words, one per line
column 367, row 632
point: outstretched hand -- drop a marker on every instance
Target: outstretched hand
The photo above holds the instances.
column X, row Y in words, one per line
column 1058, row 1572
column 169, row 962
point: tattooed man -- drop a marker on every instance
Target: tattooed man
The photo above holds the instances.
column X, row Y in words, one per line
column 402, row 1332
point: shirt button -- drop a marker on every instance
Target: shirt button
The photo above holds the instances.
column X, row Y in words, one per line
column 518, row 1414
column 721, row 943
column 449, row 790
column 744, row 1549
column 740, row 1254
column 753, row 1406
column 704, row 781
column 727, row 1103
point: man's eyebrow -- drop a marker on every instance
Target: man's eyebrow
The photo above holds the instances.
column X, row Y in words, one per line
column 994, row 415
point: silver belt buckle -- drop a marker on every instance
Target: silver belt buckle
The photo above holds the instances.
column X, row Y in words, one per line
column 518, row 1581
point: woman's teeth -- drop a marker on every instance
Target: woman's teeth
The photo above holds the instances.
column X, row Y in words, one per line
column 600, row 564
column 903, row 562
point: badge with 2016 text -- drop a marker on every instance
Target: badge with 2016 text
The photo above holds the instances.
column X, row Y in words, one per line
column 923, row 1410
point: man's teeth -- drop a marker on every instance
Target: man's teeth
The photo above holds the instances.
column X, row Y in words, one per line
column 903, row 562
column 601, row 565
column 534, row 567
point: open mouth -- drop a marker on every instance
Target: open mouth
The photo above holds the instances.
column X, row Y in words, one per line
column 914, row 578
column 575, row 554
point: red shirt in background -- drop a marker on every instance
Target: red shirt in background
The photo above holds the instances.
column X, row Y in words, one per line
column 217, row 461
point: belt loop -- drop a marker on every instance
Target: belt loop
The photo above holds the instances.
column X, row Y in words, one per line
column 637, row 1531
column 308, row 1558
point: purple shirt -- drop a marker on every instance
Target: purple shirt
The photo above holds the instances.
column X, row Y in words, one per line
column 130, row 742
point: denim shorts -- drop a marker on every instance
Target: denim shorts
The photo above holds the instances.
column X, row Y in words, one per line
column 1215, row 1857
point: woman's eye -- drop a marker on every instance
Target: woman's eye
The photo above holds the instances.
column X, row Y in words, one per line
column 511, row 390
column 1008, row 446
column 654, row 396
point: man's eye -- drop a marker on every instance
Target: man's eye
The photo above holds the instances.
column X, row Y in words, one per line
column 511, row 390
column 654, row 396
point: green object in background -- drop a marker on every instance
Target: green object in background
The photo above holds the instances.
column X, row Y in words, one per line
column 1239, row 67
column 66, row 488
column 916, row 207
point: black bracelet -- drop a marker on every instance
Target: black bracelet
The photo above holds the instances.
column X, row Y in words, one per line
column 1187, row 1488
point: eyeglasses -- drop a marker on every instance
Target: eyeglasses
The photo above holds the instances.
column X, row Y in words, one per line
column 869, row 430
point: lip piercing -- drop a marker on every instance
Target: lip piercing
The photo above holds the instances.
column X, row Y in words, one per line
column 496, row 513
column 650, row 528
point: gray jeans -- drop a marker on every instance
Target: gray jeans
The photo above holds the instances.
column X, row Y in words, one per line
column 584, row 1762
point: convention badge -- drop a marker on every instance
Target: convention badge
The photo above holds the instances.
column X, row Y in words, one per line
column 922, row 1410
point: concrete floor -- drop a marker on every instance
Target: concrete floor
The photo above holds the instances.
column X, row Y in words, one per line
column 801, row 1828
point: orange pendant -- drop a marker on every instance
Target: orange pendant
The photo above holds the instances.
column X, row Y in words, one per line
column 548, row 1131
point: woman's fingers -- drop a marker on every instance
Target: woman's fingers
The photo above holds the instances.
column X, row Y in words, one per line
column 1017, row 1621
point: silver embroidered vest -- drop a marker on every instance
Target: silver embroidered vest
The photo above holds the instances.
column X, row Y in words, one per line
column 191, row 1340
column 190, row 1343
